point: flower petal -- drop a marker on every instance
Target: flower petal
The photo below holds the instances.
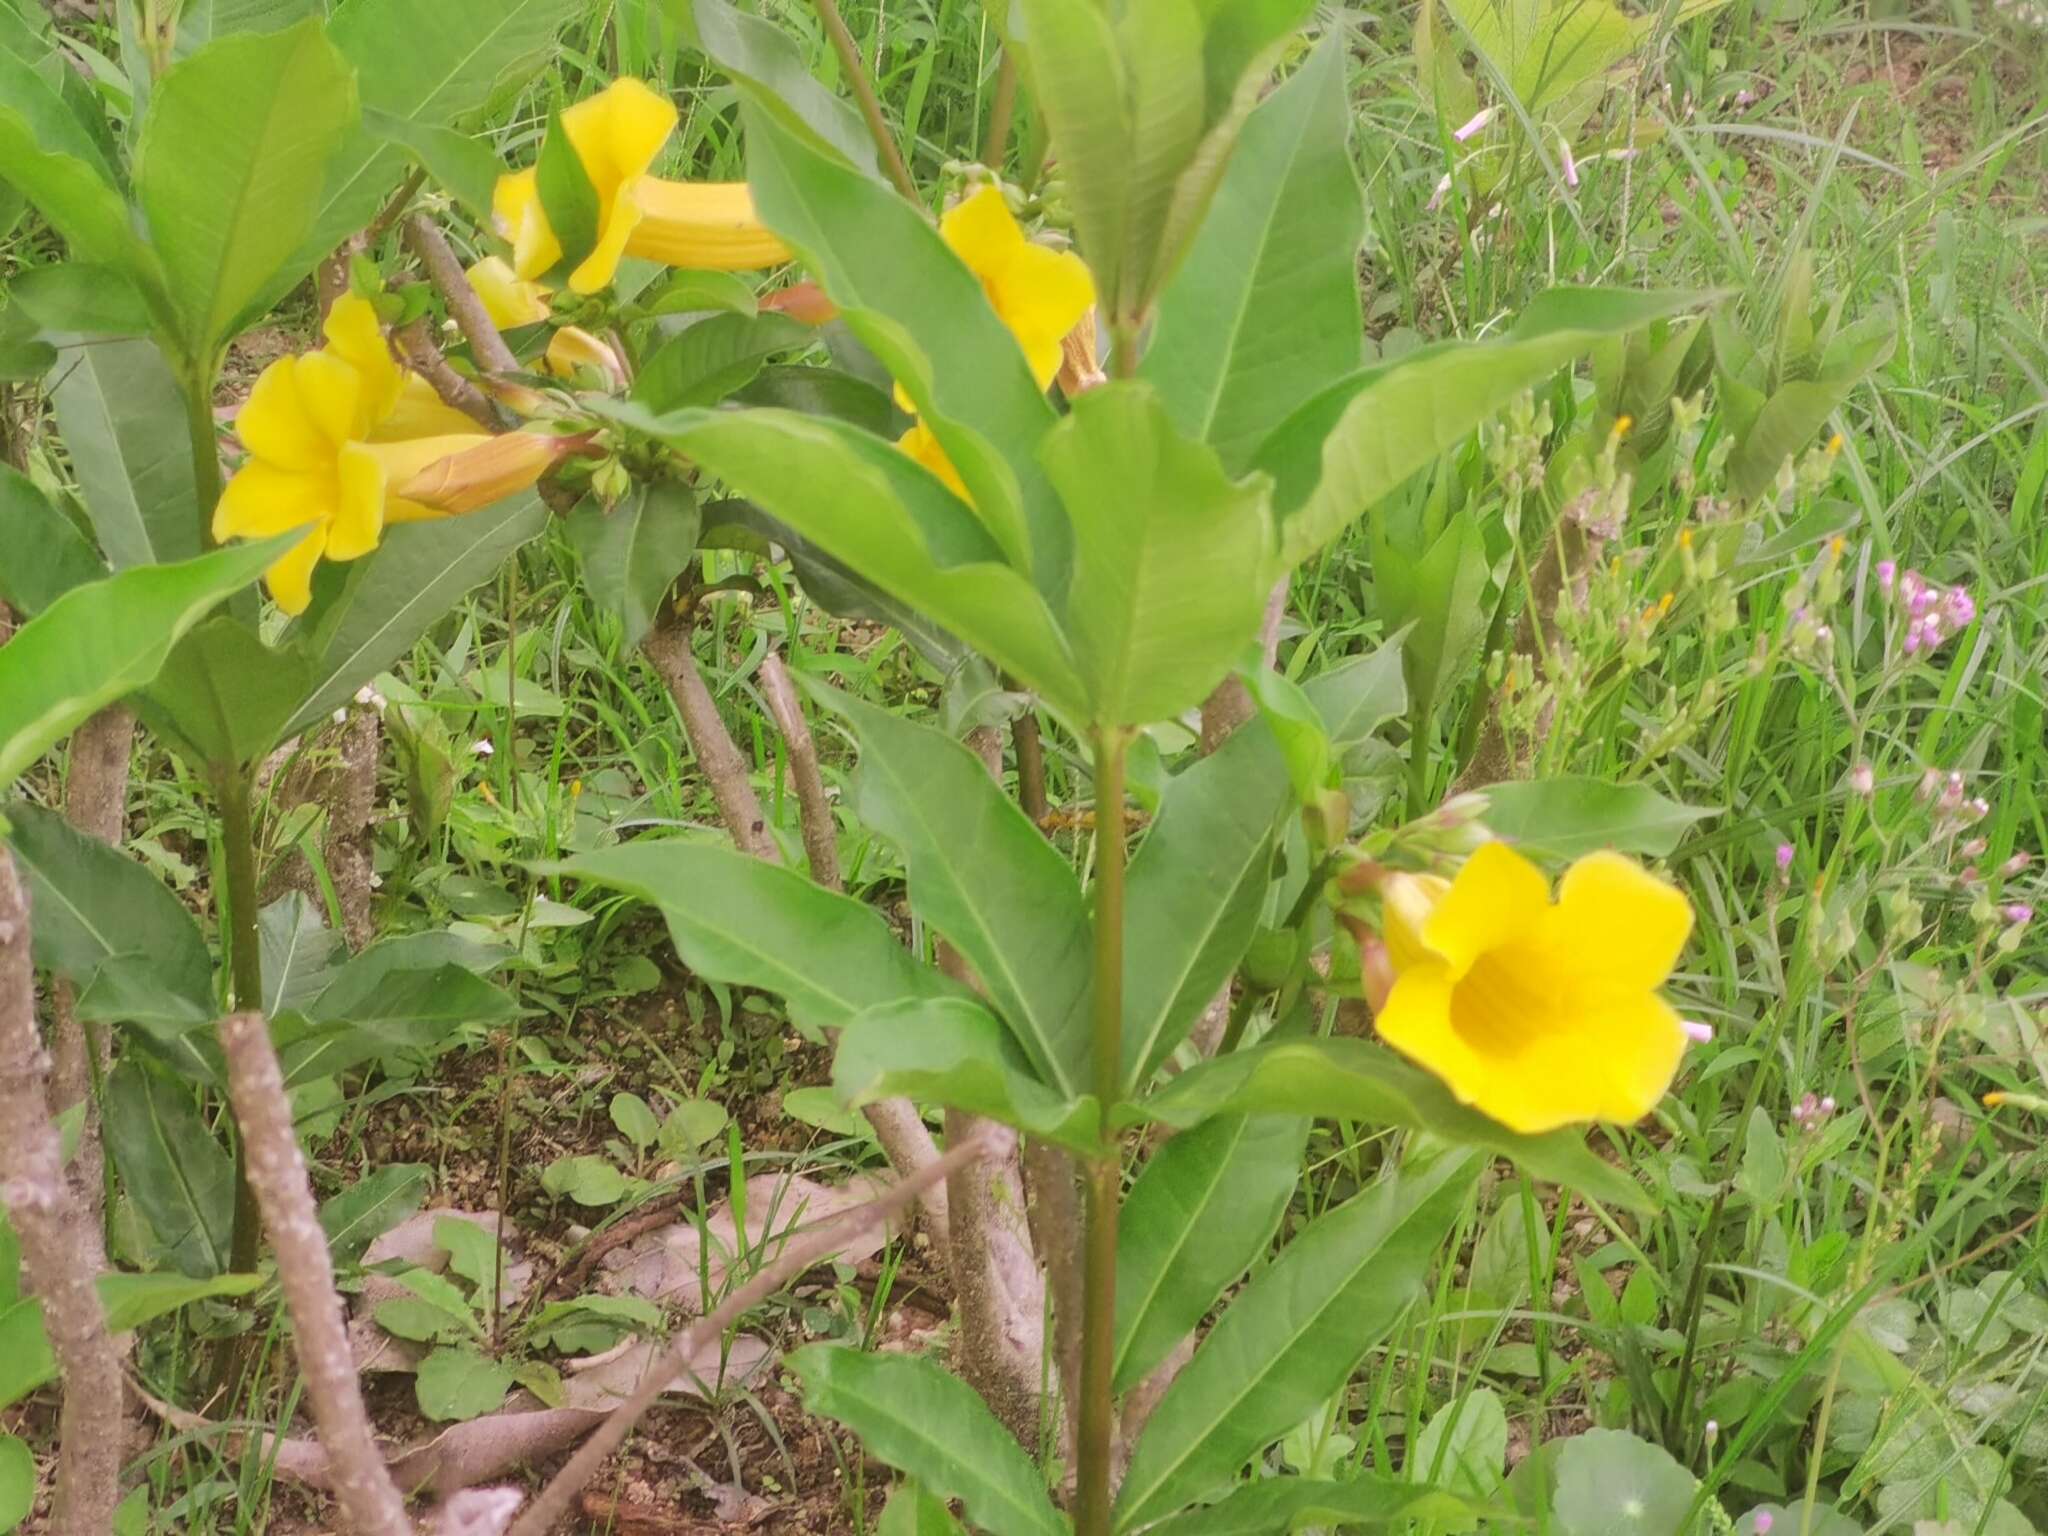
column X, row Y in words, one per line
column 516, row 210
column 708, row 225
column 1498, row 900
column 419, row 412
column 572, row 347
column 359, row 517
column 290, row 577
column 1619, row 927
column 1613, row 1065
column 981, row 232
column 275, row 426
column 597, row 270
column 1041, row 295
column 354, row 336
column 509, row 299
column 260, row 500
column 922, row 446
column 618, row 132
column 1406, row 900
column 332, row 393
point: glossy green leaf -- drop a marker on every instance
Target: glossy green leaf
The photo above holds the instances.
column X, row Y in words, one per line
column 456, row 1383
column 888, row 521
column 1170, row 557
column 632, row 553
column 825, row 392
column 229, row 169
column 1278, row 1504
column 82, row 297
column 1356, row 697
column 920, row 1418
column 953, row 1051
column 715, row 358
column 372, row 1206
column 1464, row 1445
column 132, row 1300
column 392, row 595
column 179, row 1176
column 567, row 196
column 101, row 641
column 1569, row 815
column 1344, row 1079
column 201, row 21
column 917, row 307
column 694, row 292
column 1200, row 1214
column 754, row 49
column 18, row 1482
column 46, row 554
column 738, row 920
column 223, row 696
column 1293, row 1336
column 122, row 416
column 984, row 877
column 47, row 154
column 1194, row 891
column 1264, row 312
column 1351, row 445
column 1074, row 62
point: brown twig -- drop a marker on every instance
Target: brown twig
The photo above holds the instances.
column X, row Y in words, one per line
column 856, row 73
column 1029, row 744
column 668, row 646
column 277, row 1175
column 553, row 1500
column 417, row 342
column 820, row 826
column 1055, row 1217
column 424, row 239
column 55, row 1256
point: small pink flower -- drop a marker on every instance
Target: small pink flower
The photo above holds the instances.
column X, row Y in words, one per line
column 1887, row 573
column 1473, row 124
column 1785, row 852
column 1571, row 166
column 1863, row 779
column 1763, row 1523
column 2016, row 863
column 2019, row 912
column 1958, row 608
column 1696, row 1032
column 1974, row 848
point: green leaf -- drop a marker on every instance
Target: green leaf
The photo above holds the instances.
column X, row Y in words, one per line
column 298, row 950
column 825, row 392
column 585, row 1179
column 714, row 358
column 1568, row 816
column 1609, row 1483
column 1293, row 1336
column 952, row 1051
column 1204, row 1209
column 1795, row 416
column 18, row 1483
column 567, row 195
column 743, row 922
column 132, row 1300
column 1435, row 597
column 888, row 521
column 472, row 1253
column 394, row 594
column 460, row 1384
column 47, row 154
column 1351, row 445
column 435, row 1310
column 1464, row 1445
column 917, row 307
column 92, row 903
column 25, row 1359
column 122, row 416
column 177, row 1173
column 1342, row 1079
column 1356, row 697
column 693, row 292
column 465, row 165
column 1295, row 725
column 201, row 21
column 1194, row 891
column 693, row 1123
column 756, row 50
column 229, row 169
column 83, row 297
column 983, row 876
column 223, row 696
column 1076, row 71
column 383, row 1001
column 46, row 554
column 372, row 1206
column 921, row 1419
column 1264, row 312
column 635, row 1120
column 1295, row 1503
column 913, row 1512
column 632, row 553
column 1170, row 557
column 432, row 66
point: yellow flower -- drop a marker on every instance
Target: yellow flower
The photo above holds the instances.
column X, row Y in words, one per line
column 919, row 443
column 1538, row 1013
column 339, row 444
column 1039, row 294
column 511, row 302
column 617, row 134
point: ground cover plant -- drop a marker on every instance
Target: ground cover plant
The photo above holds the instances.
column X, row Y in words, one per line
column 1161, row 767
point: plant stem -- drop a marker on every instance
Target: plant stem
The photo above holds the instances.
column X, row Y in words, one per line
column 1002, row 107
column 206, row 481
column 856, row 73
column 245, row 973
column 1105, row 1172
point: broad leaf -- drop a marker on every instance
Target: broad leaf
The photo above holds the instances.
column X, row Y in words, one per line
column 223, row 696
column 738, row 920
column 887, row 520
column 46, row 554
column 632, row 553
column 372, row 1206
column 25, row 1359
column 132, row 1300
column 1296, row 1503
column 918, row 308
column 1356, row 441
column 1170, row 557
column 298, row 950
column 1567, row 816
column 122, row 416
column 465, row 165
column 910, row 1512
column 756, row 50
column 103, row 640
column 18, row 1483
column 391, row 596
column 382, row 1001
column 1203, row 1210
column 984, row 877
column 46, row 153
column 1342, row 1079
column 1433, row 593
column 1610, row 1483
column 1293, row 1336
column 1264, row 312
column 920, row 1418
column 715, row 358
column 1355, row 697
column 458, row 1383
column 952, row 1051
column 169, row 1162
column 82, row 297
column 1194, row 893
column 229, row 169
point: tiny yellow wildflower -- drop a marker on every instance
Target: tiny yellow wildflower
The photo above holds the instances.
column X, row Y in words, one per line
column 1538, row 1013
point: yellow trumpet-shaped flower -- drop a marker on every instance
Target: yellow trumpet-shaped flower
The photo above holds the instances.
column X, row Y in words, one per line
column 1539, row 1013
column 511, row 301
column 919, row 443
column 1039, row 294
column 341, row 444
column 616, row 135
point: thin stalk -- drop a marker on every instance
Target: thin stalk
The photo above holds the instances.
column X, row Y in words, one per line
column 206, row 481
column 1104, row 1176
column 856, row 72
column 245, row 974
column 1002, row 107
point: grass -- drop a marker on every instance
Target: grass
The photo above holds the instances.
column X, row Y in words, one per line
column 1905, row 149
